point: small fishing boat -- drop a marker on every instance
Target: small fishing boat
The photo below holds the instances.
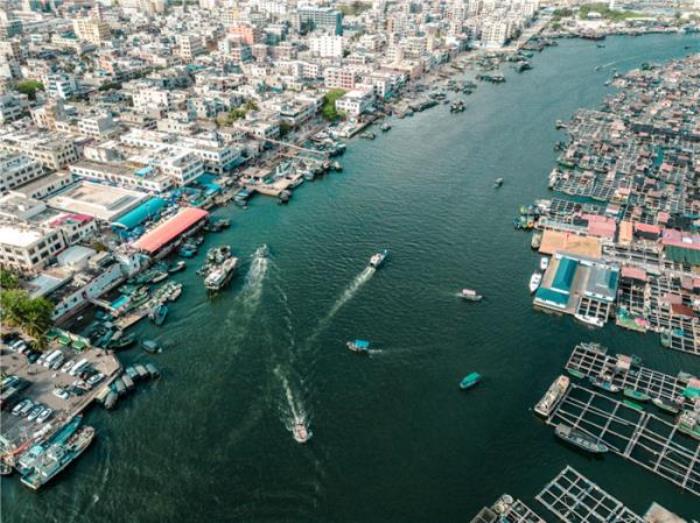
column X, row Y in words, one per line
column 151, row 346
column 603, row 384
column 544, row 263
column 361, row 346
column 368, row 135
column 498, row 183
column 177, row 266
column 158, row 314
column 579, row 439
column 122, row 341
column 300, row 432
column 377, row 259
column 576, row 373
column 470, row 380
column 535, row 281
column 591, row 321
column 631, row 404
column 635, row 395
column 159, row 276
column 470, row 295
column 386, row 126
column 667, row 405
column 536, row 240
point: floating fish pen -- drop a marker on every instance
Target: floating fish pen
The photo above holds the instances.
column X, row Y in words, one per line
column 573, row 497
column 622, row 371
column 507, row 510
column 635, row 435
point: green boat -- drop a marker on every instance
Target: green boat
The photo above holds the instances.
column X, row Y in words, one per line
column 122, row 342
column 576, row 373
column 631, row 404
column 636, row 395
column 470, row 380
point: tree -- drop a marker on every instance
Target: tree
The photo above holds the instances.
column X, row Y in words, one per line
column 329, row 111
column 32, row 315
column 8, row 280
column 29, row 87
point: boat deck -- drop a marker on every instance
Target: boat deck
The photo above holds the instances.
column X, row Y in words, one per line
column 592, row 360
column 573, row 497
column 637, row 436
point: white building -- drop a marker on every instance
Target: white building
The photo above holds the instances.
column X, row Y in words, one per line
column 17, row 169
column 28, row 248
column 60, row 85
column 326, row 46
column 354, row 103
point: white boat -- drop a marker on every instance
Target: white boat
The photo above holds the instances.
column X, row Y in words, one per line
column 300, row 432
column 220, row 275
column 535, row 281
column 590, row 320
column 544, row 263
column 552, row 397
column 470, row 295
column 377, row 259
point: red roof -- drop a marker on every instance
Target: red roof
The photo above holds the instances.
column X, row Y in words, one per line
column 153, row 240
column 681, row 310
column 634, row 273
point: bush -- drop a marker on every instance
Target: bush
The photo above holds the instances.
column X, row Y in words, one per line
column 29, row 87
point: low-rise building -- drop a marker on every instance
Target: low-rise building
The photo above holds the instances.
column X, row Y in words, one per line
column 28, row 248
column 17, row 169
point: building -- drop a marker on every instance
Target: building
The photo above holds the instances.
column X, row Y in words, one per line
column 311, row 18
column 53, row 150
column 17, row 169
column 59, row 85
column 339, row 78
column 102, row 202
column 28, row 248
column 92, row 29
column 326, row 46
column 190, row 46
column 12, row 106
column 163, row 238
column 354, row 103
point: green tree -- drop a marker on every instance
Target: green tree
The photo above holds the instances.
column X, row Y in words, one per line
column 32, row 315
column 329, row 111
column 29, row 87
column 8, row 280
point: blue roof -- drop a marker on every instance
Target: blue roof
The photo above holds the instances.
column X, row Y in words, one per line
column 552, row 297
column 564, row 275
column 361, row 344
column 140, row 214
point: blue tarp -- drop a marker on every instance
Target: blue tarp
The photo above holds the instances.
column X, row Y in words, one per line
column 552, row 297
column 140, row 214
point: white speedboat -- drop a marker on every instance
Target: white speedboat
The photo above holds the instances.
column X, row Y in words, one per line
column 470, row 295
column 377, row 259
column 544, row 263
column 593, row 321
column 535, row 281
column 300, row 432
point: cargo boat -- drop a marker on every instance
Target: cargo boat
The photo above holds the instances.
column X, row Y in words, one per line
column 579, row 439
column 552, row 397
column 470, row 380
column 57, row 457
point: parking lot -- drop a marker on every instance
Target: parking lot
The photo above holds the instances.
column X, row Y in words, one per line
column 43, row 382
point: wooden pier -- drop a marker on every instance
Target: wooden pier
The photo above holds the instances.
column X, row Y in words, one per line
column 640, row 437
column 593, row 360
column 573, row 497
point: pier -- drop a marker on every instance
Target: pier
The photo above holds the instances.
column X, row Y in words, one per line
column 592, row 360
column 573, row 497
column 635, row 435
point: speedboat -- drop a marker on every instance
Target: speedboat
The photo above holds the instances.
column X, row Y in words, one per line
column 470, row 380
column 361, row 346
column 544, row 263
column 535, row 281
column 498, row 182
column 300, row 432
column 470, row 295
column 592, row 321
column 377, row 259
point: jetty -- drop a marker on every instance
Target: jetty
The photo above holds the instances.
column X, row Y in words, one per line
column 637, row 436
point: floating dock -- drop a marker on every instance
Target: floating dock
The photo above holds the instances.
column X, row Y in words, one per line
column 640, row 437
column 592, row 360
column 573, row 497
column 507, row 510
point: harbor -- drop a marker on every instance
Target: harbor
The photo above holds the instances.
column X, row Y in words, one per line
column 311, row 296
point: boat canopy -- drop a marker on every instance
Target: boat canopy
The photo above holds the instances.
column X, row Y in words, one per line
column 361, row 344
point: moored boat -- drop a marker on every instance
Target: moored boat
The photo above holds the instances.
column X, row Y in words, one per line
column 603, row 384
column 470, row 380
column 631, row 404
column 579, row 439
column 576, row 373
column 178, row 266
column 544, row 263
column 535, row 281
column 158, row 314
column 360, row 346
column 635, row 395
column 553, row 395
column 667, row 405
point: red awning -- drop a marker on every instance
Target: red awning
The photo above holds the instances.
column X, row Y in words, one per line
column 166, row 232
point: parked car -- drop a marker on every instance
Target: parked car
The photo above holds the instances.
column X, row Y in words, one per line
column 67, row 366
column 33, row 356
column 45, row 414
column 18, row 408
column 34, row 413
column 95, row 379
column 61, row 393
column 25, row 410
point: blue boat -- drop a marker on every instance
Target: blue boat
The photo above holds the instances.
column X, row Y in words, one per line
column 158, row 314
column 470, row 380
column 361, row 346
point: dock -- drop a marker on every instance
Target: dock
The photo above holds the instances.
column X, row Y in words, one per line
column 507, row 510
column 638, row 436
column 593, row 360
column 573, row 497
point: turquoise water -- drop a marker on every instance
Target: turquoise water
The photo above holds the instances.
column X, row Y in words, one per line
column 394, row 439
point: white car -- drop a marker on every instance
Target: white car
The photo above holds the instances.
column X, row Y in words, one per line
column 34, row 414
column 67, row 366
column 95, row 379
column 61, row 393
column 16, row 410
column 45, row 414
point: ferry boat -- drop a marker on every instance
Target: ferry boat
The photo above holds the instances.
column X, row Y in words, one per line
column 603, row 384
column 377, row 259
column 470, row 380
column 57, row 457
column 579, row 439
column 544, row 263
column 300, row 432
column 635, row 395
column 361, row 346
column 667, row 405
column 555, row 393
column 535, row 281
column 470, row 295
column 158, row 314
column 220, row 275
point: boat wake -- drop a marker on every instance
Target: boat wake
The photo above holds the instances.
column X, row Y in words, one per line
column 252, row 287
column 292, row 409
column 347, row 295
